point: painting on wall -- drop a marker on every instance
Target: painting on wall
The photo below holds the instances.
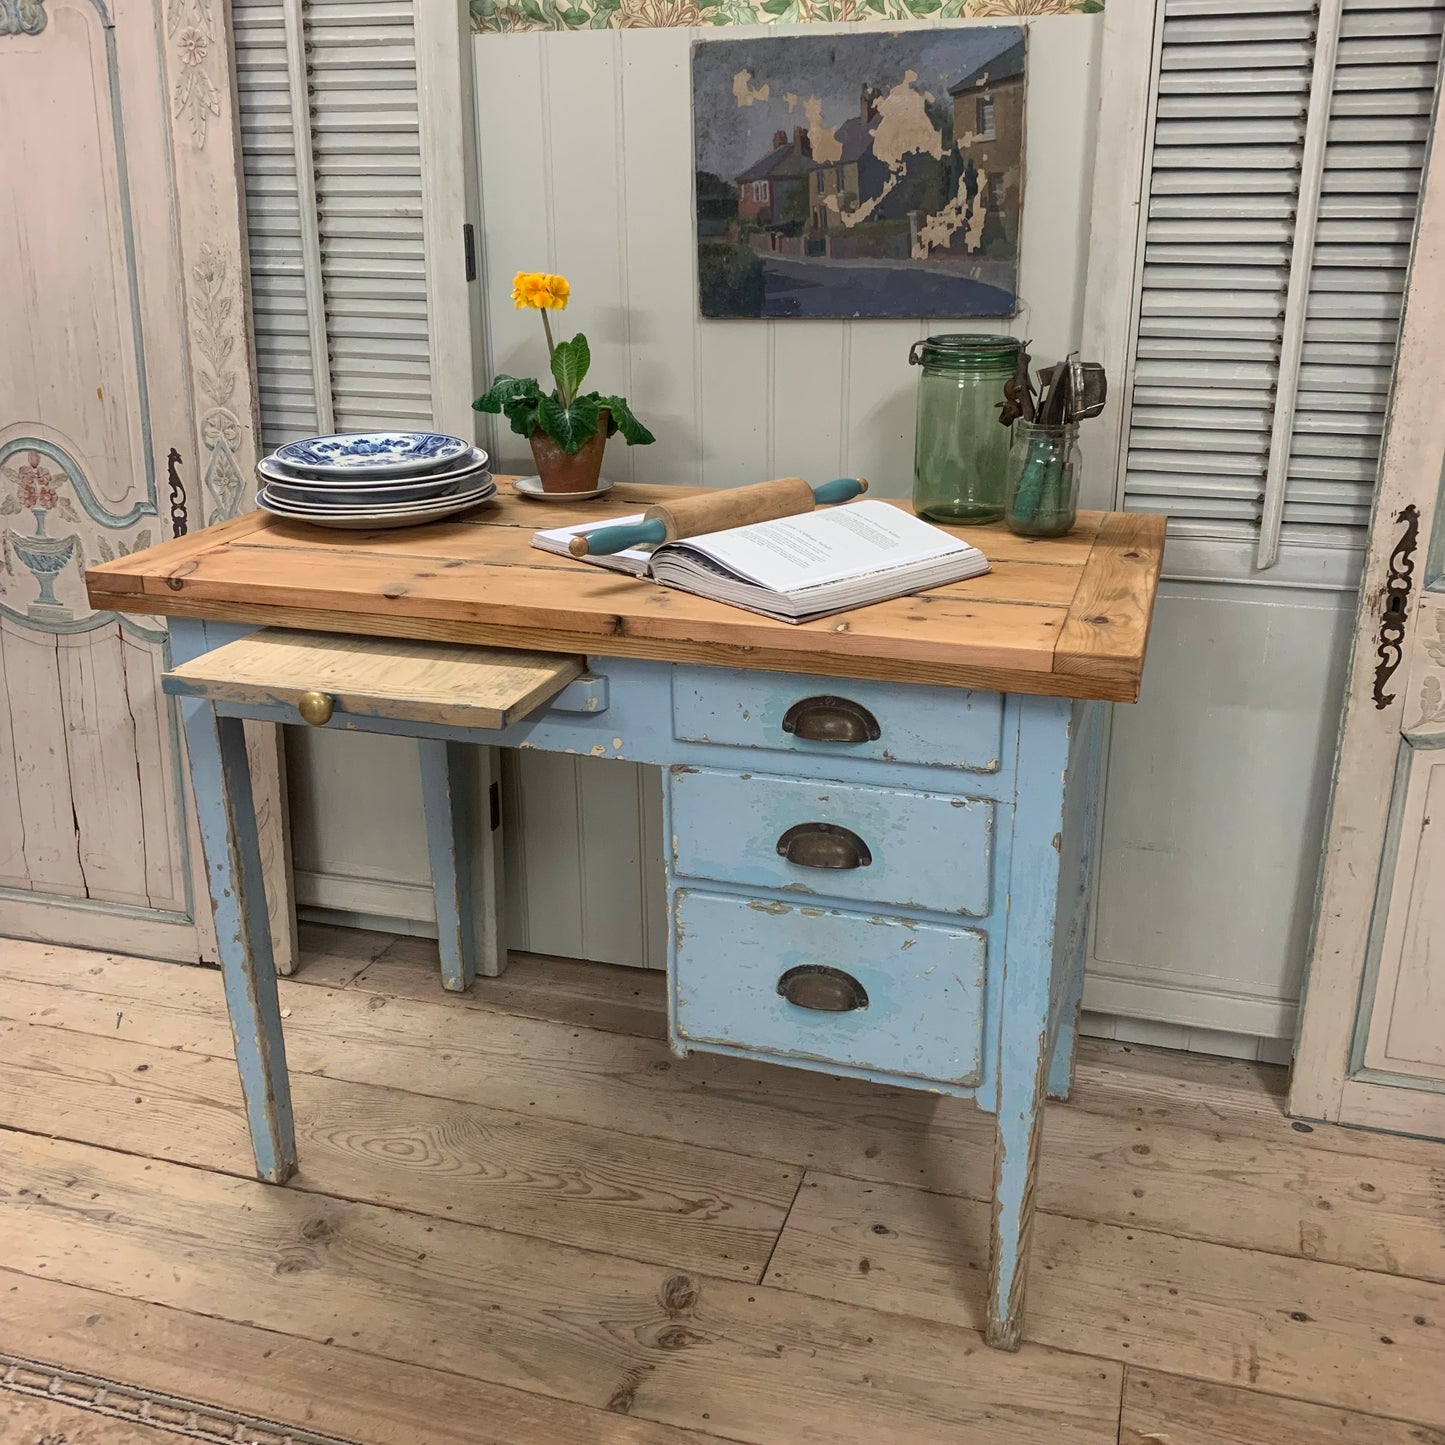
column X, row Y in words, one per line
column 860, row 175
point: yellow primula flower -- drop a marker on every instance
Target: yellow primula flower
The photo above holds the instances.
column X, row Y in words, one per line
column 540, row 292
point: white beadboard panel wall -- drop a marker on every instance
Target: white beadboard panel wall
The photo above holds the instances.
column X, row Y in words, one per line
column 585, row 145
column 730, row 401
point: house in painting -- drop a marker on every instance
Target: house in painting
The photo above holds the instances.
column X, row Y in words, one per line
column 988, row 134
column 774, row 190
column 835, row 186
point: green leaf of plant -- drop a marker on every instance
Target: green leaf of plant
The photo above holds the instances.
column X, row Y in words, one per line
column 1089, row 7
column 506, row 389
column 620, row 418
column 522, row 413
column 570, row 360
column 571, row 427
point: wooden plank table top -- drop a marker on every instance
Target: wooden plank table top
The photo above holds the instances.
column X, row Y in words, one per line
column 1065, row 617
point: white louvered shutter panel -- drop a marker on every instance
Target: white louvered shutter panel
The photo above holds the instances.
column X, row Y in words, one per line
column 1379, row 121
column 284, row 363
column 1224, row 191
column 338, row 269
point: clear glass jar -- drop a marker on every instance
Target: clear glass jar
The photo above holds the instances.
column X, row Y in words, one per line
column 960, row 455
column 1042, row 499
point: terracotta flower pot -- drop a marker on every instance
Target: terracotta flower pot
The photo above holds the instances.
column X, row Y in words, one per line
column 559, row 472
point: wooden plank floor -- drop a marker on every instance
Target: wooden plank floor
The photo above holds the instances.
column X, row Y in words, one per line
column 519, row 1220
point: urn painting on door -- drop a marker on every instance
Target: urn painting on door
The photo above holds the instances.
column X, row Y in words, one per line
column 124, row 345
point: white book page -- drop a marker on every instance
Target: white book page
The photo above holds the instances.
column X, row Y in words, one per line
column 827, row 545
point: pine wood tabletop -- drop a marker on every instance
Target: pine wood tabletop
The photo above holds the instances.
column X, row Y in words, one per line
column 1065, row 617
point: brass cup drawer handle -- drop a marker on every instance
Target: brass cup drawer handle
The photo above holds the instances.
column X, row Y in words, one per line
column 824, row 845
column 824, row 990
column 829, row 719
column 316, row 708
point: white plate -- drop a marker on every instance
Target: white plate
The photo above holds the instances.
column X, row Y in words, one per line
column 274, row 471
column 374, row 498
column 531, row 488
column 289, row 509
column 372, row 453
column 419, row 504
column 376, row 521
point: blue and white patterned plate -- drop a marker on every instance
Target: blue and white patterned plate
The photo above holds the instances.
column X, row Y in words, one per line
column 432, row 483
column 372, row 454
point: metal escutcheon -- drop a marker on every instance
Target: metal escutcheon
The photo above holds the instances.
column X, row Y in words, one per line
column 820, row 988
column 315, row 708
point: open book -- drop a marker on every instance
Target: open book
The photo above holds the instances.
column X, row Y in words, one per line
column 798, row 568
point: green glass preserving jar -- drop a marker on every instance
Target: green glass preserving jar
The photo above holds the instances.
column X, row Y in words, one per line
column 960, row 457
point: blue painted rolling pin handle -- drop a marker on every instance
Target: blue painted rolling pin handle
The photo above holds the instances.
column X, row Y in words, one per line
column 607, row 540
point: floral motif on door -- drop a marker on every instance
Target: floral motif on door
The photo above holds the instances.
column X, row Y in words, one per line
column 1430, row 664
column 213, row 335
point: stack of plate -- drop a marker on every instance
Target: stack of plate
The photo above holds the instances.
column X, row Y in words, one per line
column 371, row 480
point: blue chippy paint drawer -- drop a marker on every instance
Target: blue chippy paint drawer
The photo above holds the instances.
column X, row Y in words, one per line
column 840, row 840
column 876, row 993
column 936, row 726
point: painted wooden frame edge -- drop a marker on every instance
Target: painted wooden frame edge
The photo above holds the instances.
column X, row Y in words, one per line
column 1125, row 130
column 456, row 347
column 449, row 203
column 1111, row 287
column 1414, row 440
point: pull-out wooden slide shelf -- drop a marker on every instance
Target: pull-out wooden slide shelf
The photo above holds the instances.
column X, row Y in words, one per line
column 428, row 682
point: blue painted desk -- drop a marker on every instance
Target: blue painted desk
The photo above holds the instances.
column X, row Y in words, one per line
column 878, row 827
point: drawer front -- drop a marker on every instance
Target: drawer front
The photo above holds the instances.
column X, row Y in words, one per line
column 873, row 993
column 841, row 840
column 937, row 726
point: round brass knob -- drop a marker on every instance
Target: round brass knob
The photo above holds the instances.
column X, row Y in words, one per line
column 315, row 708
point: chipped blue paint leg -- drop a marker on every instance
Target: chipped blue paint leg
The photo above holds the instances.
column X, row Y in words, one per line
column 1028, row 965
column 1071, row 943
column 463, row 857
column 221, row 780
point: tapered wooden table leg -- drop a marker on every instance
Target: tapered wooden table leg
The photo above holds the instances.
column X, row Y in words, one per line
column 221, row 780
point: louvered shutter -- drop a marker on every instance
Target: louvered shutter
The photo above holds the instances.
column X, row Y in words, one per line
column 1231, row 184
column 327, row 94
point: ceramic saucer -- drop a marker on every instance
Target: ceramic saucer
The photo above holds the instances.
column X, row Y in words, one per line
column 531, row 488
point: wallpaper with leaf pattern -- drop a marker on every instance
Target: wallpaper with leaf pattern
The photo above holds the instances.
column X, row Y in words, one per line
column 499, row 16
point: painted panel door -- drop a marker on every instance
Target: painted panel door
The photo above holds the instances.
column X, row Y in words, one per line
column 1371, row 1049
column 126, row 416
column 1401, row 1028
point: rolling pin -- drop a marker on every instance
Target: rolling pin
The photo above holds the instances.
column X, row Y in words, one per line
column 716, row 511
